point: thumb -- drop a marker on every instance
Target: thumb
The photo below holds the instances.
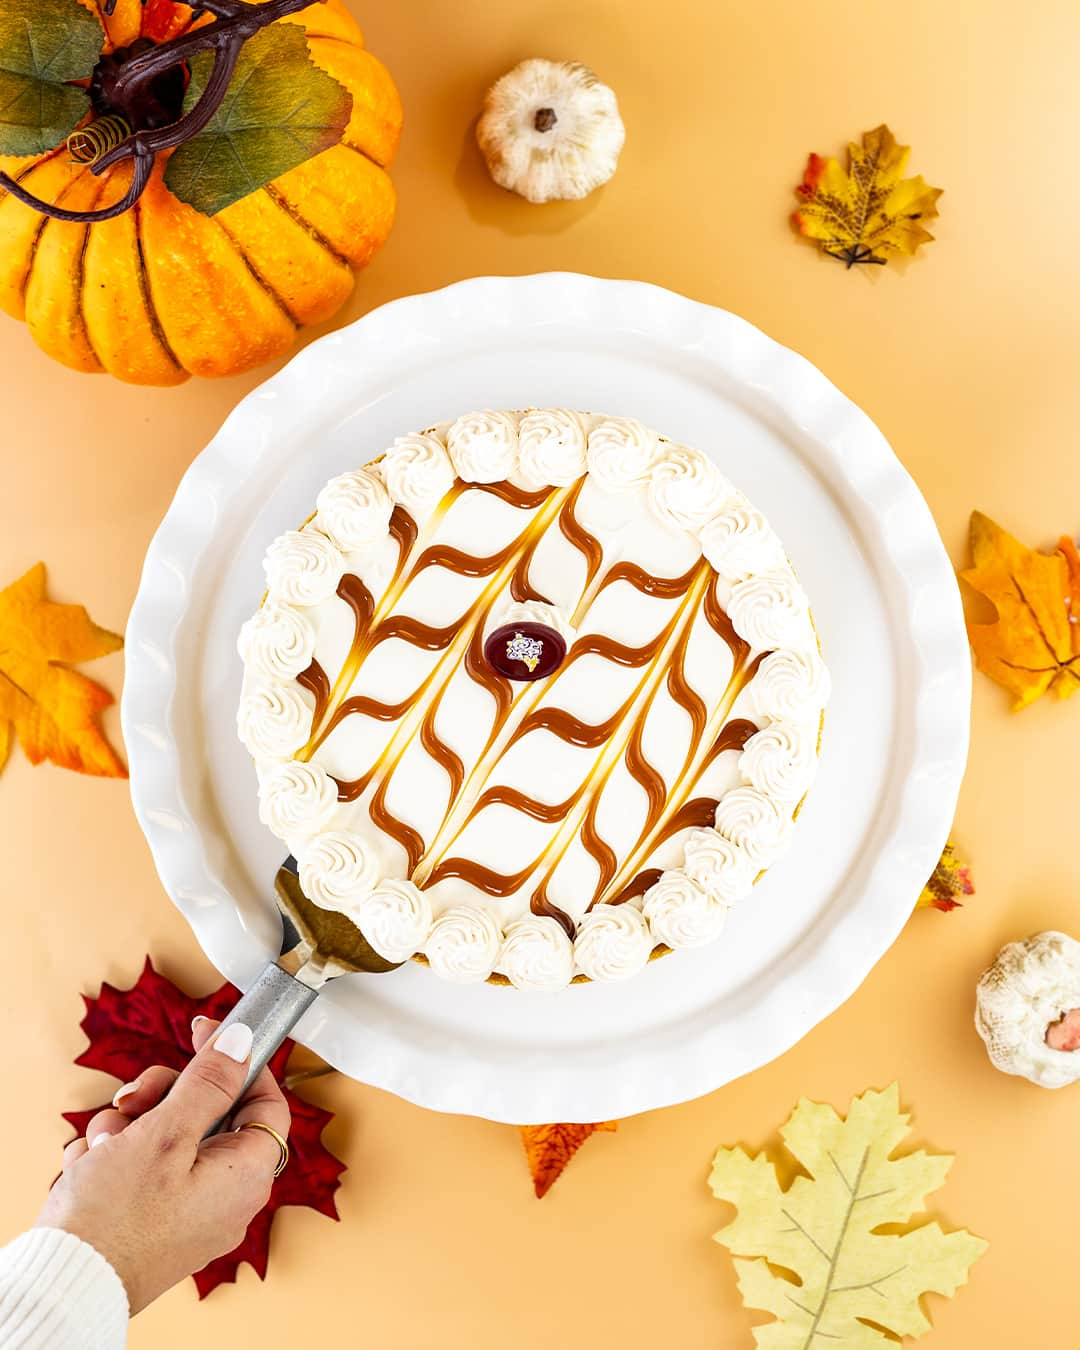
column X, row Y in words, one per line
column 209, row 1086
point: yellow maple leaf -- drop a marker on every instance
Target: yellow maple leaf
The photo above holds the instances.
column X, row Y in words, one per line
column 54, row 711
column 549, row 1148
column 1034, row 643
column 950, row 879
column 868, row 211
column 822, row 1228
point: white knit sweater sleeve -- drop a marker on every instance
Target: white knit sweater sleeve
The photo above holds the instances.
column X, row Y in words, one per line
column 59, row 1293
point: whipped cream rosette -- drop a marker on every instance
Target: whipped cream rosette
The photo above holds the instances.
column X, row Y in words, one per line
column 533, row 696
column 418, row 472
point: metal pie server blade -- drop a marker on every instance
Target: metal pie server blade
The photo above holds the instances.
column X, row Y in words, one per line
column 317, row 945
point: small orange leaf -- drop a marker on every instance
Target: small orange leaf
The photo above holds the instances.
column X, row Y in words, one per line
column 550, row 1147
column 1034, row 644
column 869, row 211
column 54, row 711
column 950, row 878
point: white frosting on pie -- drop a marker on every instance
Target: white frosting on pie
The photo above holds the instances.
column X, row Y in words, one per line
column 451, row 812
column 418, row 472
column 277, row 641
column 681, row 912
column 537, row 954
column 738, row 541
column 533, row 611
column 686, row 490
column 770, row 609
column 354, row 509
column 551, row 447
column 716, row 863
column 791, row 684
column 613, row 942
column 463, row 944
column 303, row 567
column 483, row 446
column 621, row 454
column 781, row 760
column 296, row 799
column 756, row 822
column 338, row 870
column 395, row 918
column 274, row 720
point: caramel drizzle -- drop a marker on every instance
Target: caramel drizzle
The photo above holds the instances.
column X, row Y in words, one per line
column 316, row 681
column 621, row 735
column 698, row 813
column 404, row 529
column 638, row 886
column 367, row 614
column 703, row 750
column 586, row 544
column 522, row 498
column 572, row 730
column 540, row 904
column 460, row 638
column 561, row 723
column 617, row 731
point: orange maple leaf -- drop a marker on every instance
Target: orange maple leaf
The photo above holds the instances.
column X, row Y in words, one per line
column 1034, row 643
column 55, row 711
column 868, row 212
column 550, row 1147
column 950, row 879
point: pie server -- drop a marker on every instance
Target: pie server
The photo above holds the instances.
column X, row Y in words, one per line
column 317, row 946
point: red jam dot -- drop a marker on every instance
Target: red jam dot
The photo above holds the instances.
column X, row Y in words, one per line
column 524, row 651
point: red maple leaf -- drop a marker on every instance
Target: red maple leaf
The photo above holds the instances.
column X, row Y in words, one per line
column 129, row 1029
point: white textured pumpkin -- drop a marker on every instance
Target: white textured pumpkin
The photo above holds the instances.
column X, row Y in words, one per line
column 550, row 131
column 1027, row 994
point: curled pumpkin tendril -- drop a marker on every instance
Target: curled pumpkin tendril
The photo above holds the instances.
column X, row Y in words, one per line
column 234, row 23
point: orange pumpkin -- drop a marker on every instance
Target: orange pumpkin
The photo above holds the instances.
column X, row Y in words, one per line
column 163, row 292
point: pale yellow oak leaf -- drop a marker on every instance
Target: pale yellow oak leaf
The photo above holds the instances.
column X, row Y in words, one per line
column 822, row 1229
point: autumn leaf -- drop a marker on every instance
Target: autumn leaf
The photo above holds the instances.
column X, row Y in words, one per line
column 150, row 1023
column 550, row 1147
column 950, row 878
column 1034, row 643
column 869, row 211
column 55, row 711
column 280, row 109
column 823, row 1229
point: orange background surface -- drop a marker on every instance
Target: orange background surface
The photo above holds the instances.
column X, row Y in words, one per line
column 966, row 358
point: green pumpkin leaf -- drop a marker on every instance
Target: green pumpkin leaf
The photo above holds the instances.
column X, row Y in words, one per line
column 279, row 110
column 43, row 45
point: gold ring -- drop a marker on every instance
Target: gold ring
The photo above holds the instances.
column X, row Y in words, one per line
column 269, row 1129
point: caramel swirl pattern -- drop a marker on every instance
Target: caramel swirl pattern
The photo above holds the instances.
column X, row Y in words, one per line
column 521, row 710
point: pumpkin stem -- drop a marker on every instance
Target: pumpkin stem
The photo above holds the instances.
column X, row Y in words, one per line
column 545, row 119
column 140, row 176
column 88, row 143
column 234, row 23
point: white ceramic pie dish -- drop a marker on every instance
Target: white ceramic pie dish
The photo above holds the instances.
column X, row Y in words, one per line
column 885, row 603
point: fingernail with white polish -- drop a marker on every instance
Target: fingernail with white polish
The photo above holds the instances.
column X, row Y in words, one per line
column 98, row 1139
column 196, row 1020
column 234, row 1041
column 125, row 1091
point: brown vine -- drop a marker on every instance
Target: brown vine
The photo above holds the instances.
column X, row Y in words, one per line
column 128, row 95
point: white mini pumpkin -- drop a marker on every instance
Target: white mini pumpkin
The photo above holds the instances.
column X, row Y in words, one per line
column 550, row 131
column 1030, row 992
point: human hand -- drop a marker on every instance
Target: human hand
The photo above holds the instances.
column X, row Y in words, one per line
column 144, row 1189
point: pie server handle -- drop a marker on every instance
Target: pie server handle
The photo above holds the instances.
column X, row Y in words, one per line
column 271, row 1008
